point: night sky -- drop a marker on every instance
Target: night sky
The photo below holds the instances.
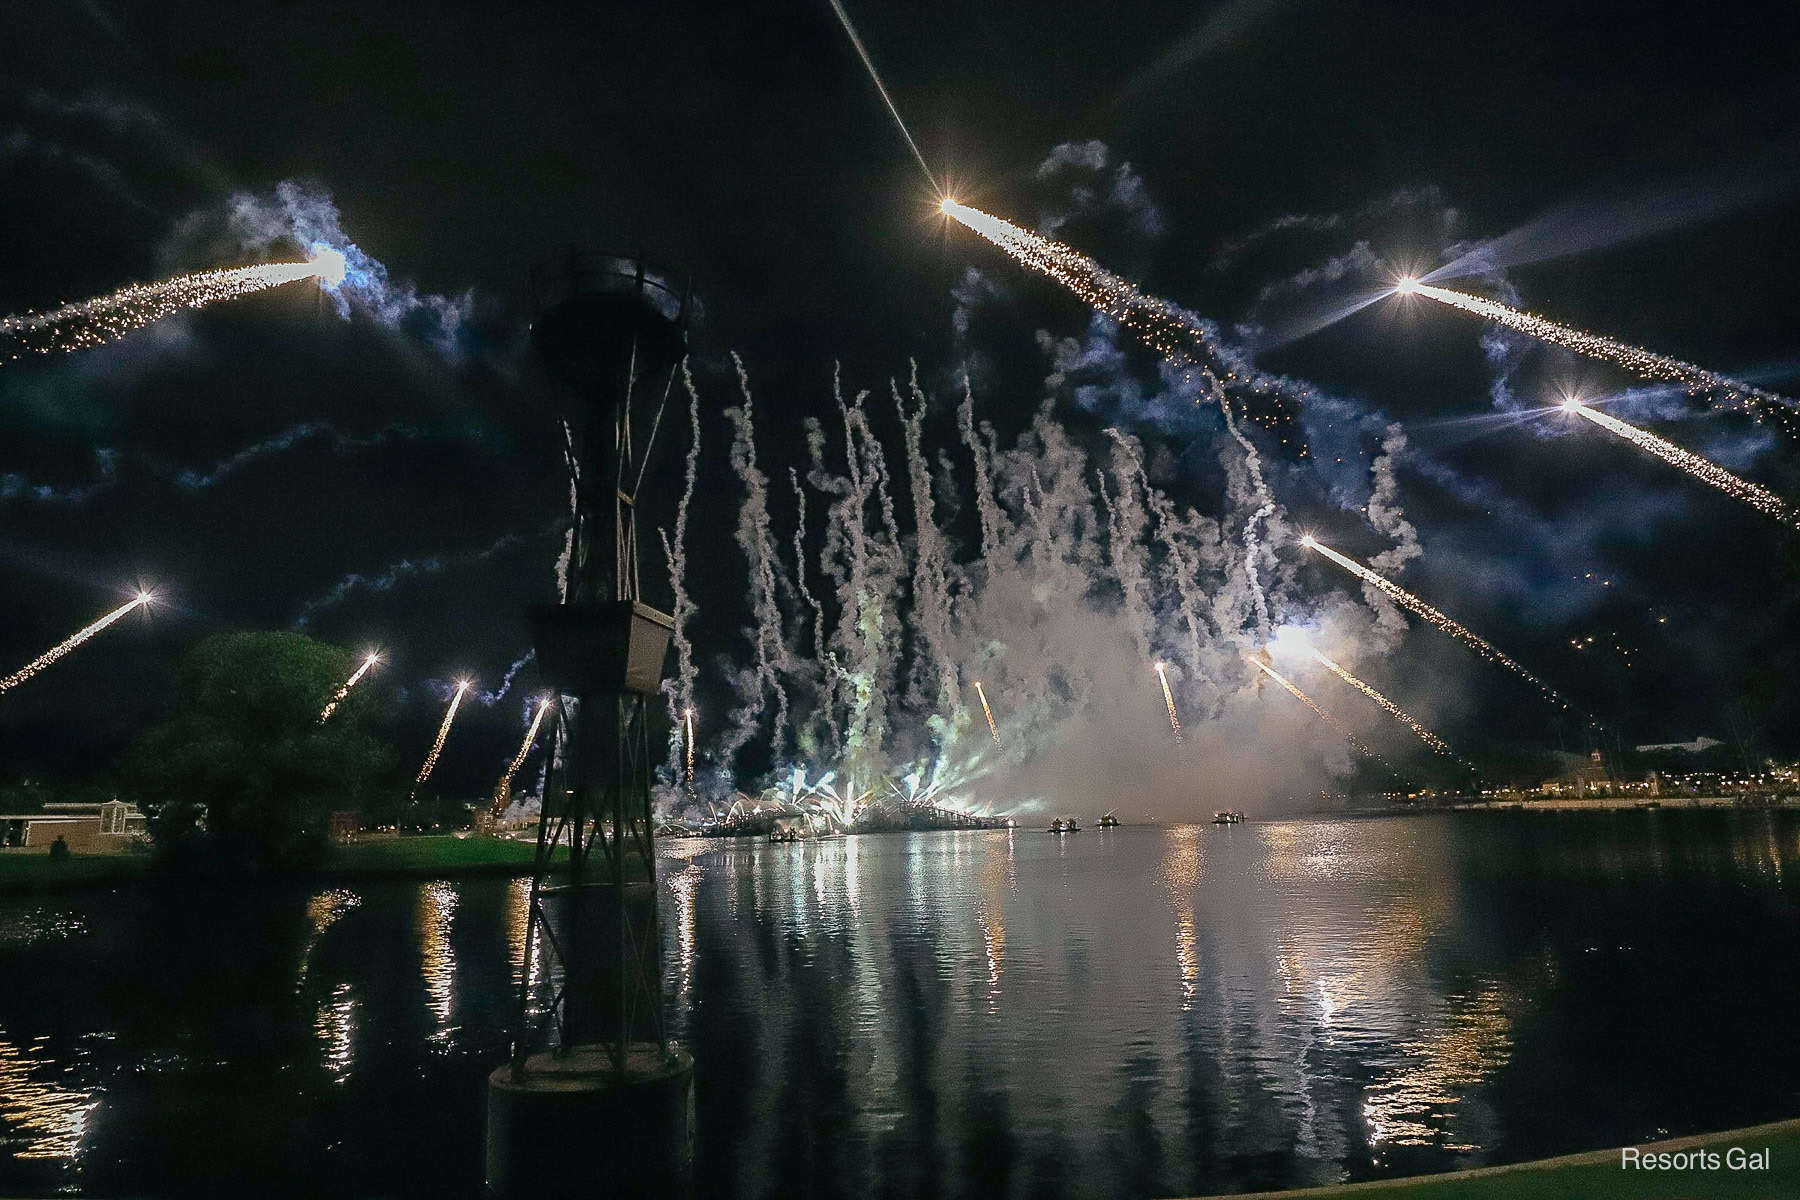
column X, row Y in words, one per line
column 248, row 460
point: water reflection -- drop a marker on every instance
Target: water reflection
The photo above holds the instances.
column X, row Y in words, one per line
column 1153, row 1012
column 437, row 905
column 44, row 1120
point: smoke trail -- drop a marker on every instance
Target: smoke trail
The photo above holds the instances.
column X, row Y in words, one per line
column 87, row 324
column 681, row 694
column 987, row 508
column 75, row 639
column 1460, row 632
column 17, row 487
column 767, row 643
column 1721, row 391
column 931, row 585
column 1388, row 706
column 821, row 651
column 1755, row 495
column 1126, row 524
column 406, row 568
column 506, row 682
column 566, row 558
column 192, row 480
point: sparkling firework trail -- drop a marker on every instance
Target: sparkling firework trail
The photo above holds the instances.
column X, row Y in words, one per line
column 355, row 677
column 537, row 719
column 689, row 739
column 1165, row 327
column 1755, row 495
column 79, row 636
column 1461, row 633
column 1727, row 392
column 979, row 691
column 1162, row 673
column 1393, row 710
column 1337, row 726
column 91, row 323
column 443, row 732
column 900, row 122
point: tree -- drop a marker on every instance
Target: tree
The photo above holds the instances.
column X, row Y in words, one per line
column 244, row 776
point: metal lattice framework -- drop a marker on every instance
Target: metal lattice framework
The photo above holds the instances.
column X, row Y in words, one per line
column 608, row 328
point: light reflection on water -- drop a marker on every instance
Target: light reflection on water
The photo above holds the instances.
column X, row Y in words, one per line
column 1141, row 1011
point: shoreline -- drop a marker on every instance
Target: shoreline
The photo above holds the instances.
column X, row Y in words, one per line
column 1591, row 1174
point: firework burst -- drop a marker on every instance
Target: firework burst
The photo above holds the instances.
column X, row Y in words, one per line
column 502, row 789
column 980, row 691
column 1393, row 710
column 1162, row 673
column 1336, row 726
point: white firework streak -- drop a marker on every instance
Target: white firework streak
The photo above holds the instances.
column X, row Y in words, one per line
column 1755, row 495
column 1161, row 325
column 90, row 323
column 1336, row 725
column 75, row 639
column 355, row 677
column 1647, row 363
column 1162, row 673
column 1393, row 710
column 518, row 761
column 443, row 732
column 980, row 691
column 1460, row 632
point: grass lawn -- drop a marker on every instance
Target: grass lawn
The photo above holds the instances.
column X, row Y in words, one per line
column 1598, row 1176
column 37, row 870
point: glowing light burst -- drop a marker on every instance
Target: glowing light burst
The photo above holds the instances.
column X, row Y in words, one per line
column 537, row 719
column 1443, row 622
column 1162, row 673
column 87, row 324
column 1706, row 471
column 1723, row 391
column 979, row 691
column 1335, row 725
column 75, row 639
column 1393, row 710
column 443, row 732
column 355, row 677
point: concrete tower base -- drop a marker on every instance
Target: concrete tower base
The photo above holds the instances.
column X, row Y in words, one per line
column 635, row 1131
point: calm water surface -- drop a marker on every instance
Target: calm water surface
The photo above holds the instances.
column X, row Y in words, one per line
column 1137, row 1012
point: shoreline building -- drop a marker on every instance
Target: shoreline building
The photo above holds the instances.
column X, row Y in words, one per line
column 108, row 827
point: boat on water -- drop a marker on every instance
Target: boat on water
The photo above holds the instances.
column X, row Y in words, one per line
column 1061, row 826
column 1230, row 816
column 1110, row 820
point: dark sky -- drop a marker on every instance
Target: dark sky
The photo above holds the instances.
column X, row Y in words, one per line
column 744, row 144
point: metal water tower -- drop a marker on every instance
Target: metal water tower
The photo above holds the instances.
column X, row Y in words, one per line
column 593, row 1079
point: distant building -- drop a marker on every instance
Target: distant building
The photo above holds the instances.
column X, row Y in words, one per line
column 111, row 827
column 1693, row 747
column 344, row 825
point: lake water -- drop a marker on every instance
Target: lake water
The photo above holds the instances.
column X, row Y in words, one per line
column 1139, row 1012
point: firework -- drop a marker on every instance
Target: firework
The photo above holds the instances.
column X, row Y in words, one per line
column 1393, row 710
column 979, row 691
column 90, row 323
column 1180, row 337
column 443, row 732
column 1755, row 495
column 355, row 677
column 75, row 639
column 1336, row 725
column 688, row 740
column 501, row 788
column 1162, row 673
column 1461, row 633
column 862, row 53
column 1722, row 390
